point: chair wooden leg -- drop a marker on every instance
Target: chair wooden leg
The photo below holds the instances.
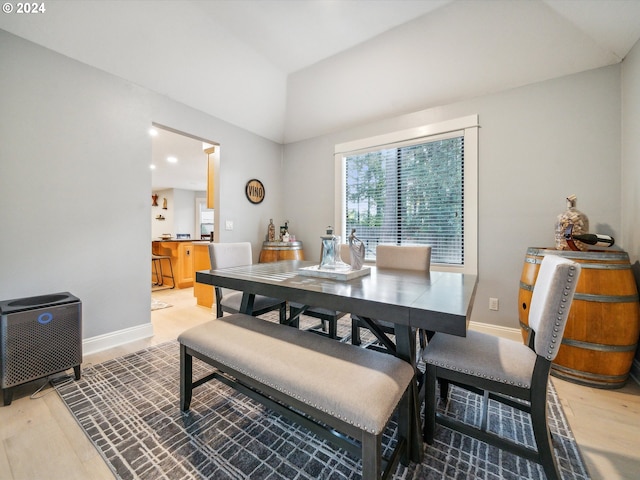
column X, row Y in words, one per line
column 429, row 404
column 371, row 456
column 218, row 294
column 323, row 325
column 333, row 328
column 355, row 332
column 444, row 389
column 186, row 379
column 543, row 435
column 484, row 416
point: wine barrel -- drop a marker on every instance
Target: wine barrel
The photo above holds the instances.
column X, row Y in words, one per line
column 602, row 330
column 275, row 251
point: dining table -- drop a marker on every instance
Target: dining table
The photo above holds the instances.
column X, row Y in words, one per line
column 435, row 301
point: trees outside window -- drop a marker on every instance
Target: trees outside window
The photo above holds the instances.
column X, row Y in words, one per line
column 409, row 195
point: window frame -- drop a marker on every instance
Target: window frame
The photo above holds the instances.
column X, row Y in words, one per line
column 468, row 127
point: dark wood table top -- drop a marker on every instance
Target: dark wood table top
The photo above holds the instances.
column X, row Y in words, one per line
column 438, row 301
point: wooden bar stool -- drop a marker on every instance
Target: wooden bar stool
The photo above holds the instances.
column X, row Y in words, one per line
column 156, row 263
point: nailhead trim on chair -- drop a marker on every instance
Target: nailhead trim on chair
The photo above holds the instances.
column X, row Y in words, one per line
column 478, row 374
column 554, row 343
column 551, row 348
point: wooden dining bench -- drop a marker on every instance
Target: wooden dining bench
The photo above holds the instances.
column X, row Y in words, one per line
column 324, row 385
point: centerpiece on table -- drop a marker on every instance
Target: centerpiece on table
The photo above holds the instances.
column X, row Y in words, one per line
column 331, row 264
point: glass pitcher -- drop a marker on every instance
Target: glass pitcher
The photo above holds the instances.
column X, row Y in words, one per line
column 331, row 259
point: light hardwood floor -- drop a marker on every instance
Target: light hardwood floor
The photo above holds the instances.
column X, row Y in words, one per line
column 39, row 439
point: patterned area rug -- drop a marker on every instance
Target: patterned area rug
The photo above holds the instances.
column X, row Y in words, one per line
column 129, row 408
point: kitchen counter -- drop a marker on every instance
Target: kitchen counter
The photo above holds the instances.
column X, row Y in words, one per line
column 181, row 254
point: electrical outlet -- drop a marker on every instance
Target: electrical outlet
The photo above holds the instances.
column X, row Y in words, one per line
column 229, row 225
column 493, row 303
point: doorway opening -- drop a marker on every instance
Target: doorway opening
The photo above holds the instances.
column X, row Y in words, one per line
column 183, row 180
column 182, row 174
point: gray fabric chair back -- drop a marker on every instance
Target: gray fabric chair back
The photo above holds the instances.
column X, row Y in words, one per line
column 551, row 302
column 405, row 257
column 224, row 255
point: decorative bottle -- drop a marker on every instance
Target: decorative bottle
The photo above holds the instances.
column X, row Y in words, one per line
column 572, row 216
column 271, row 231
column 595, row 239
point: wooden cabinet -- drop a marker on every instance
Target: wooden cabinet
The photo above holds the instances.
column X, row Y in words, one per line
column 185, row 264
column 202, row 292
column 181, row 254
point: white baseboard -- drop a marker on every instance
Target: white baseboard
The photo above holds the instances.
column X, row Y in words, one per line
column 506, row 332
column 114, row 339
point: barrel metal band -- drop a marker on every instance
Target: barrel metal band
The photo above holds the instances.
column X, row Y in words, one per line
column 587, row 375
column 600, row 347
column 590, row 297
column 593, row 254
column 590, row 346
column 593, row 266
column 526, row 286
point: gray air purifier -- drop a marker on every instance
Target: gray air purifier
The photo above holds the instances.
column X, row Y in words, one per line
column 39, row 336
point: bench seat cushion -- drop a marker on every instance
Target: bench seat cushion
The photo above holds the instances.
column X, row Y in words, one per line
column 359, row 386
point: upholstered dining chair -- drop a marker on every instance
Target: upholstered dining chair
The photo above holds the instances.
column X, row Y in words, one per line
column 504, row 370
column 225, row 255
column 328, row 318
column 402, row 257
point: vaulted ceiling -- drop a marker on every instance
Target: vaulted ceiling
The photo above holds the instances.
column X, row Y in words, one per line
column 289, row 70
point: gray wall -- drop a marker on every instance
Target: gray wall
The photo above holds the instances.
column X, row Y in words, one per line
column 537, row 145
column 75, row 183
column 631, row 165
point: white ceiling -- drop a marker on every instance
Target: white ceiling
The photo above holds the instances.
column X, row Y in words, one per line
column 296, row 34
column 190, row 170
column 289, row 70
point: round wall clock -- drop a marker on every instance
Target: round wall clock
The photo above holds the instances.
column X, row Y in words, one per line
column 254, row 190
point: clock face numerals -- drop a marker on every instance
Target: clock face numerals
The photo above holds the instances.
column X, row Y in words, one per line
column 254, row 191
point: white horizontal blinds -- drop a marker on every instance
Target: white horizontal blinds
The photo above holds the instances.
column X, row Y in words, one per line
column 409, row 194
column 371, row 198
column 432, row 199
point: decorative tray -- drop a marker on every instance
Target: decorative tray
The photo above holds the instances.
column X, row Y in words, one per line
column 316, row 271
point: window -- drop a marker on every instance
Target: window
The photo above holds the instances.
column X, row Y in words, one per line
column 417, row 186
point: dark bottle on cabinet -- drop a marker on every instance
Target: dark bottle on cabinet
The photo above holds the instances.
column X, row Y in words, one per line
column 596, row 239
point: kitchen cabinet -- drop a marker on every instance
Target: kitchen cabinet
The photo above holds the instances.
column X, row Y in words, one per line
column 202, row 292
column 181, row 254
